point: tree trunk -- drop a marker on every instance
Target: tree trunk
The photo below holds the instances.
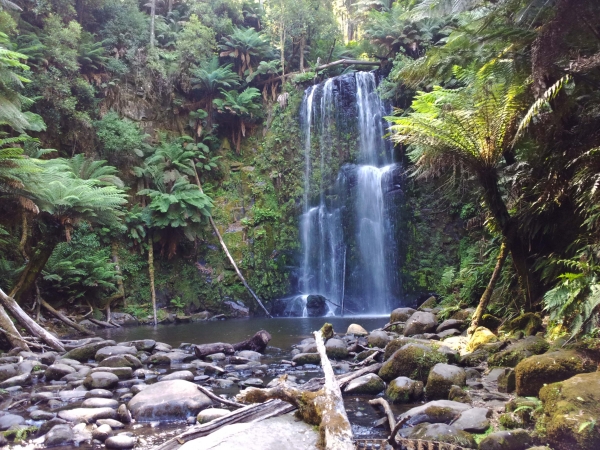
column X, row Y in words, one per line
column 151, row 274
column 508, row 227
column 65, row 319
column 282, row 43
column 487, row 295
column 121, row 288
column 302, row 45
column 257, row 343
column 152, row 17
column 11, row 332
column 170, row 6
column 210, row 349
column 28, row 323
column 226, row 250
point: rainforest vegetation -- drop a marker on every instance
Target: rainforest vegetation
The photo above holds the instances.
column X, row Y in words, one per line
column 139, row 140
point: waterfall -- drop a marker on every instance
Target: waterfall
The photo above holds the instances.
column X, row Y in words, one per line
column 347, row 229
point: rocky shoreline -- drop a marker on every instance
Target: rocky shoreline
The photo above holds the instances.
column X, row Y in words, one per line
column 501, row 389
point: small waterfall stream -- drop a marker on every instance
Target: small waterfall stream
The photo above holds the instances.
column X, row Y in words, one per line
column 347, row 229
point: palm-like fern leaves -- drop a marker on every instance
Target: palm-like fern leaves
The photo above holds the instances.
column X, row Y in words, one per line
column 212, row 76
column 89, row 169
column 247, row 47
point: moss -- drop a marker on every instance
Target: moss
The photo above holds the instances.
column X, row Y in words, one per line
column 413, row 361
column 490, row 322
column 481, row 337
column 327, row 331
column 430, row 303
column 528, row 323
column 515, row 353
column 509, row 421
column 404, row 392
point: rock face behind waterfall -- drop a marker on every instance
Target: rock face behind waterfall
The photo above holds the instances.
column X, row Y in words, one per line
column 316, row 306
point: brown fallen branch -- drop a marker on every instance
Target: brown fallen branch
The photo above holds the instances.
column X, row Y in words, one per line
column 204, row 350
column 101, row 323
column 216, row 398
column 386, row 408
column 25, row 342
column 65, row 319
column 252, row 413
column 343, row 380
column 369, row 359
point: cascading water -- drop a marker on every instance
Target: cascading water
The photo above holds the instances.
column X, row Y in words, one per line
column 347, row 229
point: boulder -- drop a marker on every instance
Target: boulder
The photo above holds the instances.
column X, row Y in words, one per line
column 507, row 381
column 99, row 393
column 7, row 371
column 19, row 380
column 168, row 401
column 475, row 358
column 438, row 411
column 96, row 402
column 413, row 361
column 474, row 420
column 378, row 338
column 113, row 350
column 59, row 435
column 528, row 323
column 306, row 358
column 9, row 420
column 316, row 306
column 507, row 440
column 39, row 414
column 120, row 441
column 367, row 384
column 336, row 348
column 401, row 314
column 87, row 414
column 124, row 319
column 571, row 409
column 457, row 394
column 419, row 323
column 463, row 314
column 211, row 414
column 404, row 390
column 124, row 373
column 101, row 380
column 480, row 337
column 102, row 433
column 440, row 432
column 236, row 309
column 249, row 354
column 57, row 371
column 533, row 372
column 449, row 324
column 518, row 351
column 143, row 345
column 179, row 375
column 121, row 361
column 430, row 303
column 123, row 414
column 356, row 330
column 441, row 378
column 86, row 352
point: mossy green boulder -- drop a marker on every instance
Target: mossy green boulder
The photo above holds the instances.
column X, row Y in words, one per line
column 404, row 390
column 367, row 384
column 441, row 378
column 401, row 314
column 430, row 303
column 480, row 337
column 571, row 410
column 534, row 372
column 413, row 361
column 518, row 351
column 528, row 323
column 396, row 344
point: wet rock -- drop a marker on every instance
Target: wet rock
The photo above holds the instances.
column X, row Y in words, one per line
column 59, row 435
column 171, row 357
column 99, row 393
column 114, row 424
column 123, row 373
column 9, row 420
column 123, row 414
column 413, row 361
column 420, row 322
column 39, row 414
column 215, row 357
column 475, row 358
column 507, row 381
column 236, row 309
column 168, row 400
column 101, row 380
column 113, row 350
column 102, row 433
column 249, row 354
column 316, row 306
column 438, row 411
column 214, row 370
column 378, row 338
column 47, row 426
column 86, row 352
column 223, row 383
column 533, row 372
column 401, row 314
column 87, row 414
column 518, row 351
column 463, row 314
column 121, row 441
column 336, row 348
column 121, row 361
column 473, row 420
column 396, row 344
column 440, row 432
column 367, row 384
column 507, row 440
column 211, row 414
column 19, row 380
column 179, row 375
column 356, row 330
column 143, row 345
column 306, row 358
column 255, row 382
column 57, row 371
column 441, row 378
column 528, row 323
column 404, row 390
column 124, row 319
column 162, row 347
column 460, row 325
column 480, row 337
column 7, row 371
column 100, row 403
column 448, row 333
column 457, row 394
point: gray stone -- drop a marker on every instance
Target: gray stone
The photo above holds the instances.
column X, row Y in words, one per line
column 222, row 383
column 404, row 390
column 451, row 323
column 100, row 393
column 85, row 352
column 39, row 414
column 70, row 396
column 19, row 380
column 255, row 382
column 57, row 371
column 59, row 435
column 401, row 314
column 87, row 414
column 121, row 361
column 123, row 373
column 306, row 358
column 120, row 441
column 518, row 439
column 507, row 381
column 143, row 345
column 336, row 348
column 100, row 403
column 441, row 378
column 170, row 357
column 440, row 432
column 114, row 424
column 457, row 394
column 438, row 411
column 378, row 338
column 101, row 380
column 123, row 414
column 211, row 414
column 167, row 401
column 249, row 354
column 356, row 330
column 179, row 375
column 123, row 319
column 217, row 357
column 102, row 433
column 367, row 384
column 7, row 371
column 113, row 350
column 9, row 420
column 420, row 322
column 473, row 420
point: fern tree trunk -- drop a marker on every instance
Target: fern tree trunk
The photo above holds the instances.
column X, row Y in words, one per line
column 512, row 238
column 487, row 295
column 151, row 274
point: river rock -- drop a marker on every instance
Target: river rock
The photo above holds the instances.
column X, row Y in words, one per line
column 102, row 433
column 99, row 393
column 39, row 414
column 378, row 338
column 124, row 373
column 336, row 348
column 457, row 394
column 419, row 323
column 123, row 319
column 367, row 384
column 9, row 420
column 475, row 358
column 507, row 440
column 72, row 395
column 527, row 323
column 249, row 354
column 179, row 375
column 99, row 403
column 518, row 351
column 171, row 357
column 113, row 350
column 533, row 372
column 440, row 432
column 87, row 414
column 254, row 382
column 481, row 337
column 449, row 324
column 167, row 401
column 121, row 361
column 507, row 381
column 121, row 441
column 474, row 420
column 7, row 371
column 86, row 352
column 57, row 371
column 404, row 390
column 101, row 380
column 316, row 306
column 356, row 330
column 413, row 361
column 401, row 314
column 114, row 424
column 123, row 414
column 59, row 435
column 441, row 378
column 19, row 380
column 162, row 347
column 143, row 345
column 306, row 358
column 211, row 414
column 438, row 411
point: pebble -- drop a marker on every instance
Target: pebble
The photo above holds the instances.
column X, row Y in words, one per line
column 120, row 441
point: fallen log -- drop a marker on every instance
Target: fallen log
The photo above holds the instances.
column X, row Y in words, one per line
column 257, row 343
column 315, row 384
column 386, row 408
column 101, row 323
column 204, row 350
column 251, row 413
column 216, row 398
column 64, row 318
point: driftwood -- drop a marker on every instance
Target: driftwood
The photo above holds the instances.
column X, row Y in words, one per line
column 252, row 413
column 101, row 323
column 28, row 323
column 216, row 398
column 204, row 350
column 12, row 334
column 257, row 343
column 343, row 380
column 386, row 408
column 64, row 318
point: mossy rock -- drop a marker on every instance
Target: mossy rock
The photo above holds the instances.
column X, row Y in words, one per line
column 475, row 358
column 490, row 322
column 398, row 343
column 404, row 390
column 463, row 314
column 571, row 409
column 528, row 323
column 441, row 379
column 518, row 439
column 480, row 337
column 534, row 372
column 440, row 432
column 518, row 351
column 430, row 303
column 413, row 361
column 525, row 408
column 369, row 384
column 401, row 314
column 510, row 421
